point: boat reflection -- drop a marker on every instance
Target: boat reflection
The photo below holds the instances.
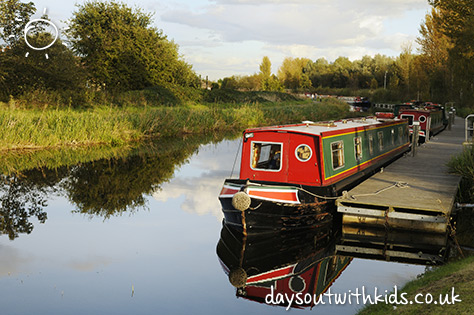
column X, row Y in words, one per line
column 262, row 266
column 393, row 245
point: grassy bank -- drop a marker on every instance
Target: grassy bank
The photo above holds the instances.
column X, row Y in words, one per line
column 463, row 164
column 440, row 281
column 459, row 274
column 34, row 128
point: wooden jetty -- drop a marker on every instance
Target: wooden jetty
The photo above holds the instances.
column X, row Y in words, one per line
column 393, row 245
column 412, row 193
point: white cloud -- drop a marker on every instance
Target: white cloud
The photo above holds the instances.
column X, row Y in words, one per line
column 200, row 194
column 11, row 260
column 227, row 37
column 279, row 28
column 200, row 183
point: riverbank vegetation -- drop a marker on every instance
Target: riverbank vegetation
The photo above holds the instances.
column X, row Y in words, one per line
column 131, row 54
column 438, row 281
column 23, row 129
column 120, row 81
column 463, row 165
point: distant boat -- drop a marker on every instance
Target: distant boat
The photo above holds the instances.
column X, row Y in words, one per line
column 290, row 174
column 431, row 117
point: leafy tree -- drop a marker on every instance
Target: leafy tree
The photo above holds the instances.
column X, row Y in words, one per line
column 266, row 67
column 60, row 71
column 122, row 50
column 23, row 69
column 293, row 73
column 265, row 73
column 319, row 73
column 435, row 46
column 14, row 15
column 455, row 19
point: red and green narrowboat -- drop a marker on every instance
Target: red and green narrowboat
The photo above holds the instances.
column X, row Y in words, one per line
column 431, row 117
column 290, row 174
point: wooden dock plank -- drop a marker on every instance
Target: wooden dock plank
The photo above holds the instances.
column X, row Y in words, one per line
column 427, row 185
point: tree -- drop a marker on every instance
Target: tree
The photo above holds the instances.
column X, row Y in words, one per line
column 265, row 73
column 455, row 19
column 60, row 71
column 435, row 47
column 122, row 51
column 23, row 69
column 293, row 73
column 14, row 15
column 342, row 68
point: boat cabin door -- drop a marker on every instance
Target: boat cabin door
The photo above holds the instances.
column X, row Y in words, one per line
column 303, row 162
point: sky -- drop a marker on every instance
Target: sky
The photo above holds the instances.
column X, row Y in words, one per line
column 221, row 38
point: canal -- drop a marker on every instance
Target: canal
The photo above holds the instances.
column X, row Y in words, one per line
column 135, row 231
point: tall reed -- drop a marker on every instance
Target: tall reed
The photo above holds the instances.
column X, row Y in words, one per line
column 21, row 128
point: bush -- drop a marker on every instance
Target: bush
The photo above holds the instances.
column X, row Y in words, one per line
column 463, row 164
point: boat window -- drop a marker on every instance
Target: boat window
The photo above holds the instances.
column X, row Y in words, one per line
column 409, row 117
column 380, row 136
column 371, row 144
column 337, row 149
column 400, row 135
column 358, row 148
column 266, row 156
column 392, row 136
column 303, row 152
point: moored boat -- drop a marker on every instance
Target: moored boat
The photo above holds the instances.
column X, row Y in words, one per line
column 431, row 118
column 290, row 174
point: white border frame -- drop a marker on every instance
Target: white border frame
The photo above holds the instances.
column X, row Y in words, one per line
column 262, row 169
column 361, row 149
column 402, row 116
column 310, row 150
column 332, row 156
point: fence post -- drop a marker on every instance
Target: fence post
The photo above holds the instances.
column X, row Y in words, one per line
column 415, row 136
column 450, row 120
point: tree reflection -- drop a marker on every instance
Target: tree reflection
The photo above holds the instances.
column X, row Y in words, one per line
column 103, row 187
column 21, row 200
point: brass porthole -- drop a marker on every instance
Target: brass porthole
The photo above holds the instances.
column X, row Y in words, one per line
column 303, row 152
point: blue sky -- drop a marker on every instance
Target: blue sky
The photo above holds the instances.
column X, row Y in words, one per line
column 230, row 37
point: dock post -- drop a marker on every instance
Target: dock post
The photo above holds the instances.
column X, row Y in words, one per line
column 415, row 136
column 450, row 120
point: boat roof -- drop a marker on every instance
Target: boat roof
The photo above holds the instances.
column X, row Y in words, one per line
column 415, row 110
column 320, row 128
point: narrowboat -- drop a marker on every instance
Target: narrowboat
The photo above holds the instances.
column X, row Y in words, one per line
column 284, row 263
column 431, row 117
column 290, row 174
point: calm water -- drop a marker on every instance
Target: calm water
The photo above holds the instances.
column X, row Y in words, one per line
column 136, row 234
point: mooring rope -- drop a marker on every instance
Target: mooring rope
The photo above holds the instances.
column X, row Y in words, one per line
column 317, row 196
column 397, row 184
column 235, row 160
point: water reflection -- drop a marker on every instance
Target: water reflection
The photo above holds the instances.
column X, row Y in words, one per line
column 394, row 245
column 116, row 183
column 270, row 268
column 21, row 200
column 263, row 267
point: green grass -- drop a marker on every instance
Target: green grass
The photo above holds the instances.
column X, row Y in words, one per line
column 463, row 164
column 464, row 111
column 458, row 275
column 113, row 125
